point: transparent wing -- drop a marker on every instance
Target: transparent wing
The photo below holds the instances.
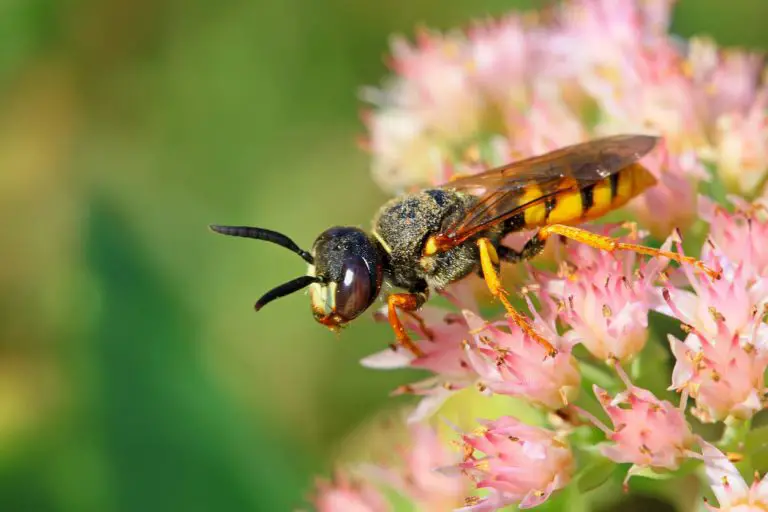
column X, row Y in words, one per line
column 508, row 190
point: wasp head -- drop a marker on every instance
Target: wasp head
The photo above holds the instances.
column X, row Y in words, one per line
column 344, row 276
column 349, row 272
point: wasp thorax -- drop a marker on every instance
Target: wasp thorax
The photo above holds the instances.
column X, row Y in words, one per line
column 348, row 266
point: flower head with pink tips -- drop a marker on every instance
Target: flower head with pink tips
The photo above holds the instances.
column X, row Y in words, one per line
column 501, row 90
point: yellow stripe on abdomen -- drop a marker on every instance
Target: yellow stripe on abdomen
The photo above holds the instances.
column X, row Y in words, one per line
column 568, row 208
column 632, row 181
column 535, row 215
column 601, row 200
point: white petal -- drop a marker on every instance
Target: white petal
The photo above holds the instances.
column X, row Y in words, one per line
column 720, row 470
column 387, row 360
column 685, row 301
column 429, row 405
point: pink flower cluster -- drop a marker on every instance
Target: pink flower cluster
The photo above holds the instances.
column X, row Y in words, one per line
column 526, row 84
column 648, row 432
column 518, row 463
column 495, row 357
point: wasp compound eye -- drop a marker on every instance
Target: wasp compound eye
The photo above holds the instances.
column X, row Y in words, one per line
column 357, row 289
column 347, row 260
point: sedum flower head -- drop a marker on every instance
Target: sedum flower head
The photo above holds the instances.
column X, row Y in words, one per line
column 583, row 69
column 509, row 362
column 605, row 300
column 740, row 235
column 647, row 432
column 516, row 462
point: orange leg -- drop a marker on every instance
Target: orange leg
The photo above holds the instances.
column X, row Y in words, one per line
column 488, row 261
column 422, row 325
column 609, row 244
column 408, row 302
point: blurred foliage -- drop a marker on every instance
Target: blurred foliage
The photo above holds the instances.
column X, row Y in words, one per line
column 133, row 372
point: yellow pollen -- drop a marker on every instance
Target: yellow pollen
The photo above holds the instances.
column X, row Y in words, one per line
column 472, row 154
column 716, row 315
column 693, row 389
column 715, row 376
column 607, row 311
column 513, row 439
column 632, row 227
column 405, row 389
column 483, row 465
column 687, row 68
column 471, row 500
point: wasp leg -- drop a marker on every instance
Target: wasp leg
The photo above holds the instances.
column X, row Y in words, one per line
column 422, row 325
column 408, row 302
column 532, row 248
column 489, row 259
column 609, row 244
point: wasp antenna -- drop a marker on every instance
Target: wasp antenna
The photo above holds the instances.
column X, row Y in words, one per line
column 285, row 289
column 264, row 234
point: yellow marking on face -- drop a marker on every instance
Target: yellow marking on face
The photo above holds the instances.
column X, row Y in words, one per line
column 568, row 208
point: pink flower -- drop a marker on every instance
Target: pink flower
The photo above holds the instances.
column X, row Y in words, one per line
column 724, row 373
column 732, row 492
column 348, row 495
column 741, row 235
column 419, row 476
column 444, row 354
column 510, row 363
column 741, row 144
column 518, row 464
column 648, row 432
column 672, row 203
column 604, row 301
column 726, row 80
column 733, row 299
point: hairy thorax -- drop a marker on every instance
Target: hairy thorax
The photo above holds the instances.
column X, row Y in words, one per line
column 403, row 225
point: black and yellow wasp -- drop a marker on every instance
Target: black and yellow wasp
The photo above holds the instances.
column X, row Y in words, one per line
column 428, row 239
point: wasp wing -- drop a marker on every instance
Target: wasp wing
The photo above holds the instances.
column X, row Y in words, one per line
column 508, row 190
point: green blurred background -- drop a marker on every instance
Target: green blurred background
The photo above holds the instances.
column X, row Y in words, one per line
column 134, row 374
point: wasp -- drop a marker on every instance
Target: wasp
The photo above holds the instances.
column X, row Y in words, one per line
column 426, row 240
